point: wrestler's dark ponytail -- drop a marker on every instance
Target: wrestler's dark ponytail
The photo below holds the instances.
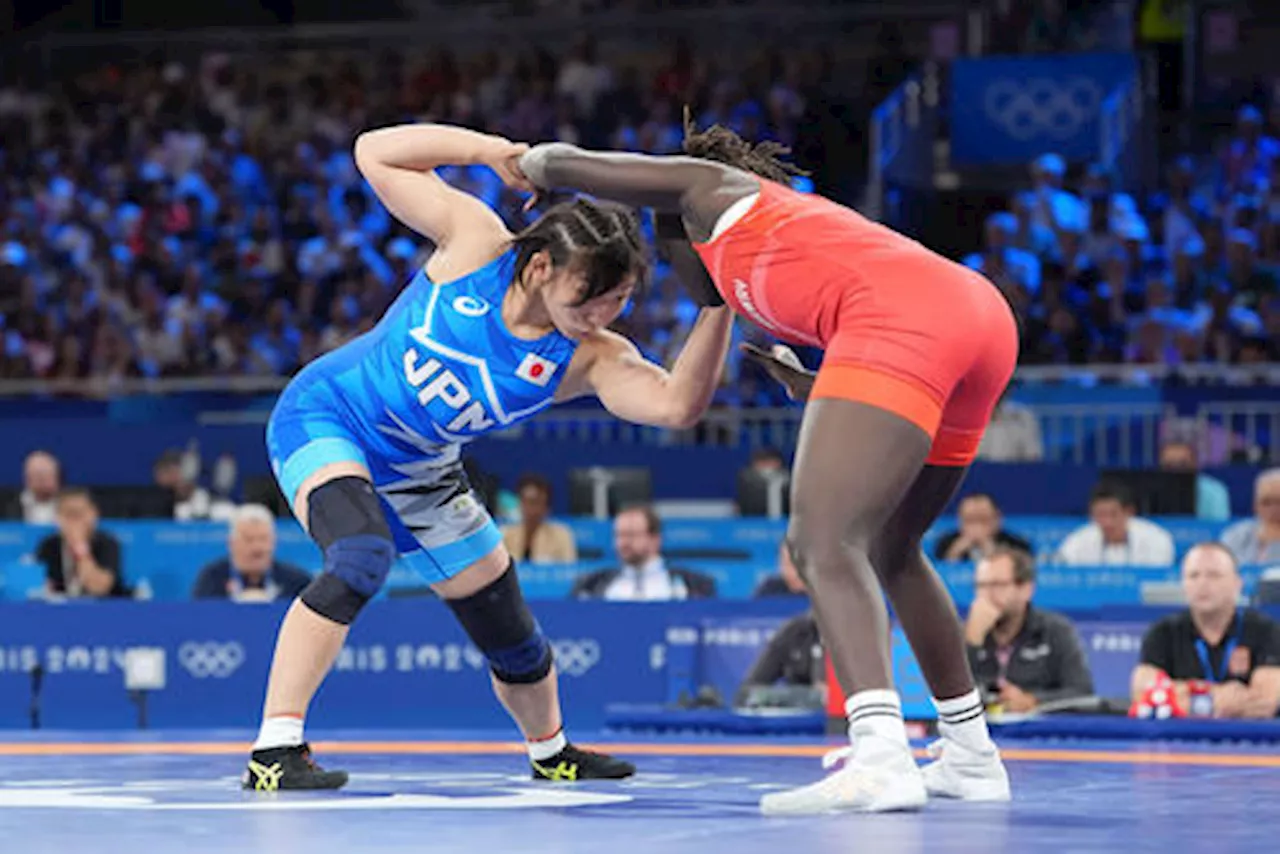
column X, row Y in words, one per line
column 724, row 146
column 601, row 239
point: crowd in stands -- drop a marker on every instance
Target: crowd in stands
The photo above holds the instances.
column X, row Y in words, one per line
column 207, row 218
column 1190, row 274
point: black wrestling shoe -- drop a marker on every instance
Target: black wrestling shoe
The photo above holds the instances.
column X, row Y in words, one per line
column 281, row 768
column 574, row 763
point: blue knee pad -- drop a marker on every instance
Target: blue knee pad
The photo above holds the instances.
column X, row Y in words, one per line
column 363, row 562
column 527, row 662
column 347, row 522
column 355, row 569
column 500, row 624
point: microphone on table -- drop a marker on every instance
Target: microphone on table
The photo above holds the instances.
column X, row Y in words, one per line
column 37, row 682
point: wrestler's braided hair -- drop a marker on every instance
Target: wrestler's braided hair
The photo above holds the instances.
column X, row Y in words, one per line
column 721, row 144
column 600, row 239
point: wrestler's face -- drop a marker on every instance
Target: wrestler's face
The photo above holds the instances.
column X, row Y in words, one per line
column 562, row 287
column 575, row 318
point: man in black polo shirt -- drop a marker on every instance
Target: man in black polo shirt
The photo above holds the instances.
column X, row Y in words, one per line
column 1021, row 657
column 1236, row 650
column 80, row 560
column 981, row 531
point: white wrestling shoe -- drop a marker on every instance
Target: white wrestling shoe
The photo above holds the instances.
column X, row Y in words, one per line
column 968, row 775
column 877, row 776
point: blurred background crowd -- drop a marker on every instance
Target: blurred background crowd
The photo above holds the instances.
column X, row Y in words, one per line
column 179, row 218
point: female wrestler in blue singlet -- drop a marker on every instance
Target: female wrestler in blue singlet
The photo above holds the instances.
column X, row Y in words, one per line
column 365, row 441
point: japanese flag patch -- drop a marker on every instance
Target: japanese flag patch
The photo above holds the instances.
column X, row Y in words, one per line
column 535, row 369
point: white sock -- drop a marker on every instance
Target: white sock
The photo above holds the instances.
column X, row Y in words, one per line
column 544, row 748
column 964, row 720
column 282, row 731
column 876, row 713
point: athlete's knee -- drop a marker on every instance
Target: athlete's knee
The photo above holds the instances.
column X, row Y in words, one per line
column 814, row 555
column 500, row 624
column 347, row 522
column 895, row 557
column 826, row 549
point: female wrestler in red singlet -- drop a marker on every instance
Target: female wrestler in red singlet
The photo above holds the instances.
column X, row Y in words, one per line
column 918, row 350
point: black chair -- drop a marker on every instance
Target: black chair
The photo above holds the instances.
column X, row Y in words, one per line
column 133, row 502
column 1267, row 592
column 265, row 491
column 619, row 487
column 11, row 504
column 1156, row 492
column 764, row 493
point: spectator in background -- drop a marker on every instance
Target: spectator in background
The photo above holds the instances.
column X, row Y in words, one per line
column 37, row 504
column 787, row 582
column 1116, row 535
column 1013, row 436
column 250, row 571
column 535, row 538
column 1001, row 260
column 1021, row 657
column 1182, row 208
column 1213, row 500
column 644, row 576
column 794, row 657
column 1050, row 204
column 1257, row 540
column 981, row 532
column 767, row 460
column 583, row 78
column 1215, row 640
column 80, row 560
column 1251, row 152
column 190, row 501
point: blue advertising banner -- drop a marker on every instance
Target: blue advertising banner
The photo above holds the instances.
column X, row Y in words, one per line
column 1013, row 109
column 408, row 665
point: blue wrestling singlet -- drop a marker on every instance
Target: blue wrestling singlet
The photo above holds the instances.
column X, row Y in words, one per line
column 439, row 369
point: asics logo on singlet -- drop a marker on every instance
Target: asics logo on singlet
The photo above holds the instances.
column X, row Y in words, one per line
column 742, row 291
column 436, row 382
column 470, row 306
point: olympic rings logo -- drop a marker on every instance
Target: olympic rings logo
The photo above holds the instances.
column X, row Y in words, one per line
column 576, row 657
column 211, row 659
column 1026, row 109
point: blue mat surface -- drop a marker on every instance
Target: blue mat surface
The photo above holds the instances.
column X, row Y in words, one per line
column 443, row 792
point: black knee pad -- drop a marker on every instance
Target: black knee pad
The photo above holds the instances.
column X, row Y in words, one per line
column 500, row 624
column 346, row 521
